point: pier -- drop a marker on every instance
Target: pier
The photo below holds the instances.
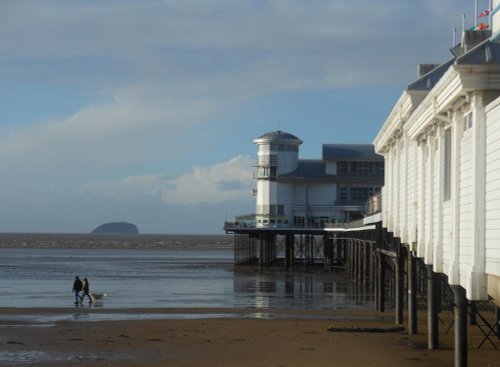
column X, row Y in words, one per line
column 378, row 262
column 427, row 241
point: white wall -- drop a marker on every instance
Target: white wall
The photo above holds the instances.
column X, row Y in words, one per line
column 448, row 233
column 331, row 168
column 492, row 189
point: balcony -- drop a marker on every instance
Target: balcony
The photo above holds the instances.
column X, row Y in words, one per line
column 350, row 202
column 267, row 160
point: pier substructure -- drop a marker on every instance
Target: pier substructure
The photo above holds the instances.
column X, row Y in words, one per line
column 380, row 286
column 399, row 285
column 433, row 307
column 377, row 260
column 289, row 251
column 286, row 248
column 267, row 249
column 460, row 316
column 412, row 294
column 245, row 249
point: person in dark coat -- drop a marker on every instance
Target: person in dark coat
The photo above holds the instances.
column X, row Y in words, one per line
column 86, row 290
column 77, row 288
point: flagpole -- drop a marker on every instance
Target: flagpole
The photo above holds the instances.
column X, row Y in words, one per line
column 490, row 15
column 475, row 13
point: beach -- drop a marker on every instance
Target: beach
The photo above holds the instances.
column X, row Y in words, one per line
column 220, row 337
column 177, row 301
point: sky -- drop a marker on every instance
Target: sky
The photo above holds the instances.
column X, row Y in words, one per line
column 145, row 111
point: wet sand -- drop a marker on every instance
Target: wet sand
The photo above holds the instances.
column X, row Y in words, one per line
column 219, row 337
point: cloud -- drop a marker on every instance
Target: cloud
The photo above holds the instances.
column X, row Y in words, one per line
column 222, row 182
column 165, row 80
column 105, row 42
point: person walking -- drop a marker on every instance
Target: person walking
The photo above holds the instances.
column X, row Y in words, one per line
column 77, row 288
column 86, row 290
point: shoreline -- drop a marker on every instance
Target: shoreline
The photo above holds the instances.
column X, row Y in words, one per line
column 291, row 337
column 38, row 316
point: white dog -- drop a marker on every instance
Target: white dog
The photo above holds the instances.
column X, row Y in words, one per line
column 97, row 297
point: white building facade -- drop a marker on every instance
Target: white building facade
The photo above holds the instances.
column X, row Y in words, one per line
column 441, row 144
column 311, row 193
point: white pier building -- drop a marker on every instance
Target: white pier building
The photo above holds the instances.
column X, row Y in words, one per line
column 293, row 192
column 441, row 145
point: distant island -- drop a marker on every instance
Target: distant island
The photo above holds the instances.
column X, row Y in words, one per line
column 116, row 228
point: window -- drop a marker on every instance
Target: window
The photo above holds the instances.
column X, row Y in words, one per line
column 360, row 193
column 343, row 168
column 468, row 121
column 363, row 169
column 343, row 193
column 447, row 165
column 354, row 169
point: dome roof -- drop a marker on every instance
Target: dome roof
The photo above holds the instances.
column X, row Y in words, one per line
column 278, row 136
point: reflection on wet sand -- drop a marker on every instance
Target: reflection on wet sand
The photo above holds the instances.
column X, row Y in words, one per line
column 300, row 290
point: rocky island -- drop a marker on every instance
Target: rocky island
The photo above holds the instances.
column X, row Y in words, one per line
column 116, row 228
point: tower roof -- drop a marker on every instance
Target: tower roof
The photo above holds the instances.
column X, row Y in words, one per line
column 278, row 137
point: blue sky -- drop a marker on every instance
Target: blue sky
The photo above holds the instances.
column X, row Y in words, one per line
column 145, row 111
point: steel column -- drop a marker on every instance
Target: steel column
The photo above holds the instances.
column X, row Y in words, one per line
column 433, row 304
column 412, row 294
column 399, row 289
column 460, row 311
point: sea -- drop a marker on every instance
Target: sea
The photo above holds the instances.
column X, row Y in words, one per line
column 158, row 271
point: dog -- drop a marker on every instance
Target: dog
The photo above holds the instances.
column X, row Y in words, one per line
column 97, row 297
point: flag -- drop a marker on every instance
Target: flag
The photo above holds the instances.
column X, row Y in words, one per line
column 484, row 13
column 479, row 27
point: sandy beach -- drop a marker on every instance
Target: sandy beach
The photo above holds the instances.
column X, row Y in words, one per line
column 218, row 337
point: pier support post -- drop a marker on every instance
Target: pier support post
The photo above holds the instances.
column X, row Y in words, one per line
column 433, row 305
column 399, row 289
column 350, row 255
column 366, row 273
column 497, row 319
column 289, row 243
column 381, row 283
column 460, row 312
column 261, row 251
column 361, row 251
column 412, row 294
column 327, row 252
column 473, row 313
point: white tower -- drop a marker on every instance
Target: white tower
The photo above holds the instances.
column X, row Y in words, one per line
column 278, row 154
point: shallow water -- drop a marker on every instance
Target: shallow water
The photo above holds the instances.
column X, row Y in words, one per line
column 187, row 275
